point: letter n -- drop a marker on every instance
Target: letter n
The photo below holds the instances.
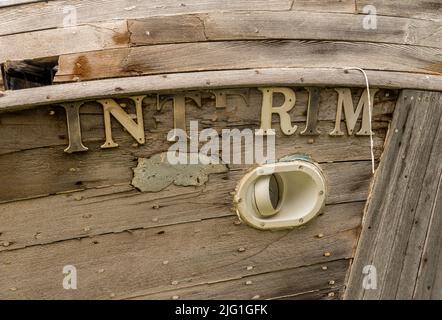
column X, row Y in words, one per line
column 136, row 129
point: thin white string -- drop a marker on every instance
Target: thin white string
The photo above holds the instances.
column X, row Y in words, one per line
column 369, row 113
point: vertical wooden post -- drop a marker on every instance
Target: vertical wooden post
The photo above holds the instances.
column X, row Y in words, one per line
column 401, row 232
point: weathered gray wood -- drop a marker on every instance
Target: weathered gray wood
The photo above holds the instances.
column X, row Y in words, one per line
column 104, row 217
column 399, row 236
column 34, row 141
column 46, row 126
column 17, row 100
column 132, row 263
column 206, row 56
column 221, row 26
column 424, row 242
column 171, row 205
column 292, row 283
column 324, row 294
column 18, row 19
column 7, row 3
column 54, row 42
column 26, row 98
column 202, row 255
column 40, row 16
column 345, row 6
column 39, row 172
column 291, row 25
column 422, row 9
column 429, row 282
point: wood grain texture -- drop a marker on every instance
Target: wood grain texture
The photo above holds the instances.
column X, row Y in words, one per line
column 399, row 234
column 345, row 6
column 322, row 23
column 34, row 142
column 290, row 25
column 28, row 98
column 132, row 263
column 49, row 15
column 429, row 282
column 19, row 19
column 104, row 206
column 61, row 172
column 180, row 241
column 54, row 42
column 46, row 126
column 172, row 58
column 422, row 9
column 309, row 281
column 7, row 3
column 183, row 241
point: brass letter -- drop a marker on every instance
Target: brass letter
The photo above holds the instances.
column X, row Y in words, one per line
column 179, row 107
column 282, row 111
column 314, row 95
column 351, row 116
column 221, row 97
column 136, row 130
column 74, row 128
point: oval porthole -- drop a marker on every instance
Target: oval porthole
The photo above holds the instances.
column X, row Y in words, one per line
column 285, row 194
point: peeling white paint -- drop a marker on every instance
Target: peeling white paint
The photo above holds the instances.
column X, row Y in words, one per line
column 156, row 173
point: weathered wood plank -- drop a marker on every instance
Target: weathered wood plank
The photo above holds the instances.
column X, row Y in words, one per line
column 7, row 3
column 292, row 25
column 46, row 126
column 221, row 26
column 18, row 19
column 422, row 9
column 54, row 42
column 170, row 58
column 133, row 263
column 40, row 16
column 423, row 246
column 402, row 205
column 429, row 281
column 171, row 205
column 37, row 172
column 324, row 294
column 346, row 6
column 27, row 98
column 50, row 15
column 157, row 30
column 293, row 283
column 33, row 131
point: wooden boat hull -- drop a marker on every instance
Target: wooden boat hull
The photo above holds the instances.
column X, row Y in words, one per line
column 89, row 212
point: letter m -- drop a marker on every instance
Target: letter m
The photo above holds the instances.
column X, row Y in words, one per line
column 345, row 102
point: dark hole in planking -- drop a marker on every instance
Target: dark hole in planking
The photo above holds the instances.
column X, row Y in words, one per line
column 29, row 73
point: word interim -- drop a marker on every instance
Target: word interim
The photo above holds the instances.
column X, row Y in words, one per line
column 135, row 126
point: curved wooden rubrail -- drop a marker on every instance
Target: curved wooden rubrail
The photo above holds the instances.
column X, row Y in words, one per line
column 185, row 242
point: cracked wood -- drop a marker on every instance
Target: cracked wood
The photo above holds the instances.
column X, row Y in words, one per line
column 205, row 56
